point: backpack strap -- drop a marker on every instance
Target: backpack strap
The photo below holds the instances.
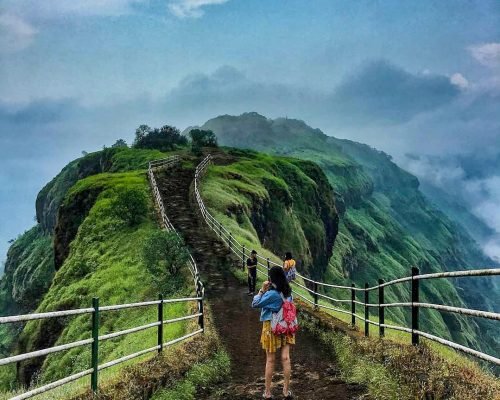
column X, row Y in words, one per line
column 284, row 298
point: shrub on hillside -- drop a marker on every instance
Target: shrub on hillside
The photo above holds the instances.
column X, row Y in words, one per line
column 164, row 254
column 201, row 138
column 130, row 205
column 164, row 139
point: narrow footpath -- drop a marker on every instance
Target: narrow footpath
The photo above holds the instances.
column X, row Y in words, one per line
column 314, row 374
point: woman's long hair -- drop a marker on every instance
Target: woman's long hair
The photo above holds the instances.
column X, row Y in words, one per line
column 278, row 278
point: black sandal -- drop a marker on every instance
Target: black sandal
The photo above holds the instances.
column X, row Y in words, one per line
column 289, row 396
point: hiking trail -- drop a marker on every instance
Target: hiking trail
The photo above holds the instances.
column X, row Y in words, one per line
column 314, row 374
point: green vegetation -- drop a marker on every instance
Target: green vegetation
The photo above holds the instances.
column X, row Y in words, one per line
column 203, row 374
column 164, row 139
column 28, row 272
column 104, row 261
column 130, row 205
column 165, row 254
column 282, row 203
column 386, row 225
column 396, row 371
column 118, row 159
column 200, row 139
column 103, row 197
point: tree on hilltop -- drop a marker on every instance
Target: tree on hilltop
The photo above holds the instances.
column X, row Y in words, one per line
column 202, row 138
column 164, row 139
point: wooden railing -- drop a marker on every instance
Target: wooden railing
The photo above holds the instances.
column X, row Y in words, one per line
column 95, row 310
column 94, row 341
column 313, row 287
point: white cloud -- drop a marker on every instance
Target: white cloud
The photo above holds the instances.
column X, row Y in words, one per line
column 489, row 208
column 492, row 248
column 15, row 33
column 191, row 8
column 488, row 54
column 459, row 80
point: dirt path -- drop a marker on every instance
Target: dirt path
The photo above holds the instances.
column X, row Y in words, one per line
column 314, row 375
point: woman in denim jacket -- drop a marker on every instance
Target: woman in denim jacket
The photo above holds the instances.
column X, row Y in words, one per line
column 269, row 300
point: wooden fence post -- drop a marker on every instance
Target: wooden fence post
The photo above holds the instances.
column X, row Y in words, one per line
column 160, row 320
column 95, row 345
column 381, row 310
column 268, row 268
column 315, row 294
column 201, row 321
column 230, row 240
column 353, row 306
column 243, row 258
column 367, row 313
column 415, row 295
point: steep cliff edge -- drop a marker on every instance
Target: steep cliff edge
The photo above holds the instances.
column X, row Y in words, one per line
column 286, row 203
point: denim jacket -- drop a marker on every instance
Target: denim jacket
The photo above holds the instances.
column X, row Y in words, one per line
column 269, row 302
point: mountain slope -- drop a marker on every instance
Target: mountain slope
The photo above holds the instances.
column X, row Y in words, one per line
column 386, row 224
column 99, row 253
column 280, row 202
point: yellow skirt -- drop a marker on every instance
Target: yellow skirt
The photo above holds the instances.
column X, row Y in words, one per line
column 270, row 342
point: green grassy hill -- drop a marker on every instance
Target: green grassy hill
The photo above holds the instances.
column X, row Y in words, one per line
column 386, row 224
column 279, row 203
column 98, row 252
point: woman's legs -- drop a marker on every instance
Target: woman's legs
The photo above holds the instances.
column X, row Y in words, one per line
column 287, row 368
column 269, row 371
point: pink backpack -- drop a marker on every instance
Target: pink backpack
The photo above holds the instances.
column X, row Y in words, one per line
column 284, row 322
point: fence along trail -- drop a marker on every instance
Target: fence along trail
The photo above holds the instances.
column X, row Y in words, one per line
column 312, row 287
column 96, row 309
column 314, row 375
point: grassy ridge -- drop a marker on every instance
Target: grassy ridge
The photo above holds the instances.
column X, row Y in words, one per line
column 281, row 202
column 386, row 225
column 104, row 261
column 235, row 186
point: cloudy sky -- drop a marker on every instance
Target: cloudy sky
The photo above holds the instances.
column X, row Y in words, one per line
column 419, row 77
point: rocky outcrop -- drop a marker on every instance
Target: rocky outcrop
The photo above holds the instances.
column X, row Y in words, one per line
column 52, row 195
column 28, row 272
column 69, row 217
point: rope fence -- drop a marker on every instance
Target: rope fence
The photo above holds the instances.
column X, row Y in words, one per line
column 312, row 287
